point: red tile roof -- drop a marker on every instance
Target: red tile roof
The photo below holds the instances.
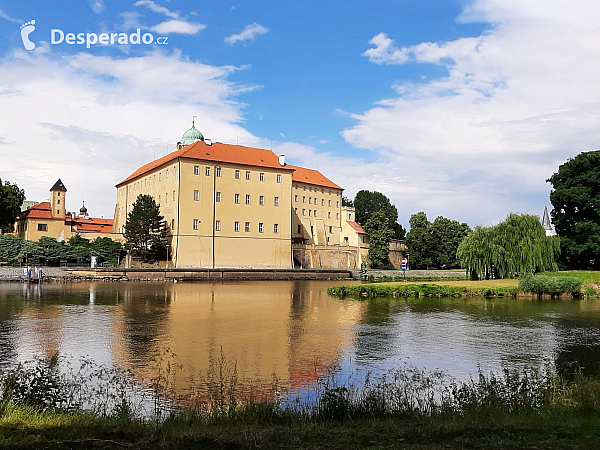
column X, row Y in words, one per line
column 217, row 152
column 356, row 227
column 42, row 211
column 310, row 176
column 39, row 211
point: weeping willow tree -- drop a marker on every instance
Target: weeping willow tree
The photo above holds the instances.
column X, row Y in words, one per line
column 518, row 245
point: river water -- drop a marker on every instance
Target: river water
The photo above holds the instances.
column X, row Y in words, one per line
column 292, row 330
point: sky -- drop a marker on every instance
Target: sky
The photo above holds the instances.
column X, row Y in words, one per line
column 456, row 108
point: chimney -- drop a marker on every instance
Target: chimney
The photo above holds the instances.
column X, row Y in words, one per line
column 282, row 160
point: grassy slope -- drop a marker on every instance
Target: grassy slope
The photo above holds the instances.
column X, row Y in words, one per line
column 25, row 429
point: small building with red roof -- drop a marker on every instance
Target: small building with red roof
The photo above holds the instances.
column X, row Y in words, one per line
column 52, row 220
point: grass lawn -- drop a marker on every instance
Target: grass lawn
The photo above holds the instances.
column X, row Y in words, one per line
column 587, row 276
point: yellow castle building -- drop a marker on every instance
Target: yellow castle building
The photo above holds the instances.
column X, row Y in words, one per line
column 235, row 206
column 51, row 219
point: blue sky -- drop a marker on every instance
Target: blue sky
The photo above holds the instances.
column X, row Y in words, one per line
column 456, row 108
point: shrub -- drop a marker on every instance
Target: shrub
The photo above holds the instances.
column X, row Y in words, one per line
column 553, row 286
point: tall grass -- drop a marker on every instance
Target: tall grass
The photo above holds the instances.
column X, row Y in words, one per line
column 402, row 392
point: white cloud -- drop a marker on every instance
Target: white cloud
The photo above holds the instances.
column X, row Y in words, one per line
column 157, row 8
column 7, row 17
column 92, row 120
column 178, row 26
column 248, row 34
column 97, row 5
column 516, row 102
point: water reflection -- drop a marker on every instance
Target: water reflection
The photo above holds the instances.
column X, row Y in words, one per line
column 291, row 329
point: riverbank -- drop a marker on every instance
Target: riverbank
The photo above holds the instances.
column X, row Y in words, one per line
column 409, row 409
column 53, row 274
column 23, row 429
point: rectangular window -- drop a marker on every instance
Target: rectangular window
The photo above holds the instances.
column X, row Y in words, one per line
column 172, row 224
column 329, row 202
column 337, row 216
column 247, row 227
column 159, row 175
column 337, row 204
column 42, row 227
column 261, row 200
column 329, row 215
column 276, row 201
column 58, row 201
column 218, row 197
column 208, row 171
column 330, row 229
column 196, row 170
column 295, row 210
column 167, row 173
column 276, row 228
column 295, row 198
column 196, row 195
column 316, row 201
column 261, row 176
column 236, row 226
column 247, row 174
column 310, row 188
column 322, row 191
column 278, row 178
column 299, row 229
column 237, row 174
column 218, row 171
column 310, row 200
column 303, row 188
column 260, row 227
column 196, row 224
column 173, row 195
column 309, row 212
column 303, row 199
column 295, row 186
column 237, row 198
column 303, row 212
column 217, row 225
column 315, row 214
column 322, row 202
column 247, row 199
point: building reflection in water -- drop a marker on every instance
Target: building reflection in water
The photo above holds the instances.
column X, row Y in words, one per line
column 290, row 330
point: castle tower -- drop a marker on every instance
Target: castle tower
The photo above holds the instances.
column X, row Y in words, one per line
column 546, row 222
column 58, row 194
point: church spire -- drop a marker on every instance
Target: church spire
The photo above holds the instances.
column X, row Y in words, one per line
column 546, row 222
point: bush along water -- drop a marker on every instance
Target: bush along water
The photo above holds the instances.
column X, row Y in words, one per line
column 418, row 290
column 541, row 285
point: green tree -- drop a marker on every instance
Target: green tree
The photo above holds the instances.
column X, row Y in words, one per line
column 347, row 201
column 446, row 235
column 419, row 241
column 11, row 199
column 516, row 246
column 145, row 229
column 367, row 202
column 380, row 233
column 575, row 200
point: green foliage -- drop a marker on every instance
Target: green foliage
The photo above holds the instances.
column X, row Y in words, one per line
column 347, row 201
column 516, row 246
column 576, row 210
column 11, row 199
column 145, row 229
column 418, row 290
column 366, row 203
column 49, row 251
column 553, row 286
column 434, row 244
column 380, row 234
